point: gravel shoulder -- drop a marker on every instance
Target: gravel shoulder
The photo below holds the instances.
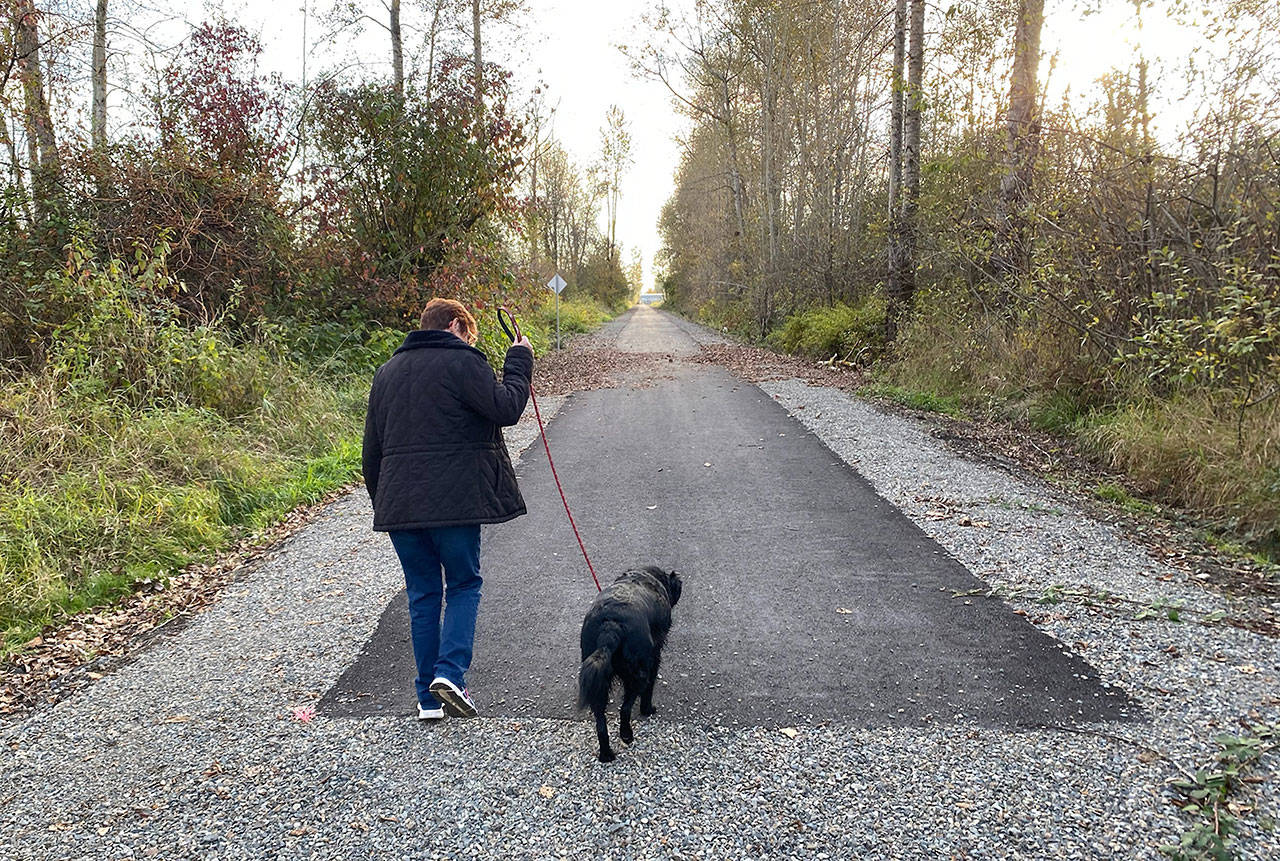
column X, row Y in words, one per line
column 204, row 747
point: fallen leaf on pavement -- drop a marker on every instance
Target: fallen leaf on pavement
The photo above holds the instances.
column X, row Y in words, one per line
column 788, row 731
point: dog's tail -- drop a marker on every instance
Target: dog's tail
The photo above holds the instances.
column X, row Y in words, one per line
column 596, row 673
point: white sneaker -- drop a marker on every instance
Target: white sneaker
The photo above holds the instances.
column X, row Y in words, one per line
column 436, row 713
column 457, row 701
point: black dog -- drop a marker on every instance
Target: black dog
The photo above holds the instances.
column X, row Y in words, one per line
column 622, row 636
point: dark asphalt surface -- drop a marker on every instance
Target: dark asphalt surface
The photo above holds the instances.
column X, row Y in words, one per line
column 807, row 597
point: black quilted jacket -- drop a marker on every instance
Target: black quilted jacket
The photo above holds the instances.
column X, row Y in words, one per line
column 433, row 448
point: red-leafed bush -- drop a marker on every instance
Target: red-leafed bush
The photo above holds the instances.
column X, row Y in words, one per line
column 211, row 179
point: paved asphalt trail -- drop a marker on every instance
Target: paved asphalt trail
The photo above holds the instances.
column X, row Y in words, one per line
column 807, row 596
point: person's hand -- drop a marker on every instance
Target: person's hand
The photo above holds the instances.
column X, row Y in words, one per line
column 522, row 341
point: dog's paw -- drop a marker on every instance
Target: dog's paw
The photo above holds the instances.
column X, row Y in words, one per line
column 648, row 710
column 607, row 756
column 626, row 735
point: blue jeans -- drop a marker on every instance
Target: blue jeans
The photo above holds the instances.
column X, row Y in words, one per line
column 441, row 650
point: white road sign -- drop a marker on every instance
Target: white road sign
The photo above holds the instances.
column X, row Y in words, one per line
column 557, row 284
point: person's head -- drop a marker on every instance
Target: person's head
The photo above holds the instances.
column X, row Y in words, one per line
column 451, row 316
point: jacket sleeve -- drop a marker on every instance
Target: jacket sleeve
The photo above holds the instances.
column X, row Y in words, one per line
column 500, row 402
column 371, row 451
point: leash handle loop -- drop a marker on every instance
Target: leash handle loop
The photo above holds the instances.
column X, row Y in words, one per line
column 513, row 331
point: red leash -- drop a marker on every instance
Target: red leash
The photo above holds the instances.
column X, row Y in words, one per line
column 542, row 429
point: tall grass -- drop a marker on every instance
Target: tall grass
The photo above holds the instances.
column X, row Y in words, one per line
column 1186, row 446
column 1188, row 450
column 144, row 443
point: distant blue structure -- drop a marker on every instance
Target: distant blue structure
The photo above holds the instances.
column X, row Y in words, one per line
column 651, row 298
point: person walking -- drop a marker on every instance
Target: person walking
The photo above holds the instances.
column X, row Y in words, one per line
column 436, row 467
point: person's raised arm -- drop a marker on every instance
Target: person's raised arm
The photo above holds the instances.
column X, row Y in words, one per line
column 501, row 401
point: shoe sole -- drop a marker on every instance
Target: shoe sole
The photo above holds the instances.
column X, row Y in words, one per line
column 453, row 705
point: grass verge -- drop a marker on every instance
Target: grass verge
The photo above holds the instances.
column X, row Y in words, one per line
column 144, row 443
column 99, row 495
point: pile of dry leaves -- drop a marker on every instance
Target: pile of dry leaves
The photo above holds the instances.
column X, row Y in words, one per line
column 757, row 363
column 590, row 367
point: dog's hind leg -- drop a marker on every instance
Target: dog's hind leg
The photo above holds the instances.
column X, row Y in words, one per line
column 630, row 693
column 646, row 696
column 602, row 733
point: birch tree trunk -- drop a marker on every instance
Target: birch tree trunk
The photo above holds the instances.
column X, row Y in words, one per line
column 397, row 49
column 98, row 120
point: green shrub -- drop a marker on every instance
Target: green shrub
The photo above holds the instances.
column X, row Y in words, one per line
column 929, row 401
column 850, row 332
column 143, row 444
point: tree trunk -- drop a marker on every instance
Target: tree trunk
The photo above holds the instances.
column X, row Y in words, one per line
column 902, row 262
column 1013, row 257
column 768, row 149
column 895, row 109
column 397, row 49
column 735, row 173
column 475, row 48
column 98, row 123
column 431, row 50
column 46, row 168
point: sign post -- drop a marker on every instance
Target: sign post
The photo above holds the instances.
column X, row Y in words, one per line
column 556, row 285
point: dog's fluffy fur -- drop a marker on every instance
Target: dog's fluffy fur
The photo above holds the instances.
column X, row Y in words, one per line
column 622, row 637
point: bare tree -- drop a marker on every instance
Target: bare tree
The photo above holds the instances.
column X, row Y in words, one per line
column 902, row 248
column 895, row 110
column 615, row 158
column 1012, row 259
column 397, row 47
